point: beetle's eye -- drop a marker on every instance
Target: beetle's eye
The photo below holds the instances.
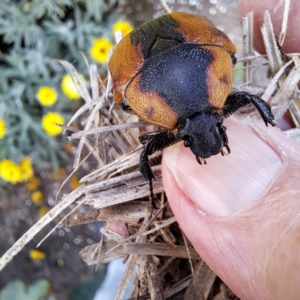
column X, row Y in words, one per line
column 187, row 140
column 187, row 143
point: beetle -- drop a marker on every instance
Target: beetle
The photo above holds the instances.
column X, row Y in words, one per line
column 176, row 72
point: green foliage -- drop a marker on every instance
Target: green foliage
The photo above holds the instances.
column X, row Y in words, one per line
column 32, row 34
column 17, row 290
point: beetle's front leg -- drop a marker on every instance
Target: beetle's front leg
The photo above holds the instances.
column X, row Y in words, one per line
column 145, row 169
column 154, row 141
column 240, row 99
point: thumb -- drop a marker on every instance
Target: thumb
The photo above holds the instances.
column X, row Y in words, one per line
column 242, row 211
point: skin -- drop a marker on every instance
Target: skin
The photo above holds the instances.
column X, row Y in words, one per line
column 241, row 212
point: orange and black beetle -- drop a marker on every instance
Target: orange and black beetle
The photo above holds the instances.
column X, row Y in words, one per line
column 176, row 72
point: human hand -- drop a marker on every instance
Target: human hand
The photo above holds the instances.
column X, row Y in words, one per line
column 242, row 212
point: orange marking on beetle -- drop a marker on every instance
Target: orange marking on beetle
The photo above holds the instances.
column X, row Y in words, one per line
column 219, row 76
column 125, row 62
column 150, row 106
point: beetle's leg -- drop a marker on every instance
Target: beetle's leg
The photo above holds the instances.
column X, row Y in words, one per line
column 154, row 141
column 145, row 169
column 240, row 99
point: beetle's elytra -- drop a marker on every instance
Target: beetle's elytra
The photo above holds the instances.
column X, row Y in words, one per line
column 176, row 72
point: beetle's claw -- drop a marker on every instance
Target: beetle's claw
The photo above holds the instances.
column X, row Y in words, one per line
column 201, row 160
column 227, row 150
column 270, row 122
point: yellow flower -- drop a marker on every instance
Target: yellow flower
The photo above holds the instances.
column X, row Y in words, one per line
column 2, row 129
column 36, row 255
column 74, row 182
column 46, row 96
column 10, row 171
column 37, row 197
column 124, row 26
column 69, row 88
column 99, row 50
column 33, row 183
column 26, row 169
column 43, row 210
column 49, row 122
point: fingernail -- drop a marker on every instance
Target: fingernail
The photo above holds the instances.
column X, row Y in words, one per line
column 227, row 184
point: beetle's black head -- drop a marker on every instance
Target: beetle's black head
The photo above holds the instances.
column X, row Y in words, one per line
column 204, row 134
